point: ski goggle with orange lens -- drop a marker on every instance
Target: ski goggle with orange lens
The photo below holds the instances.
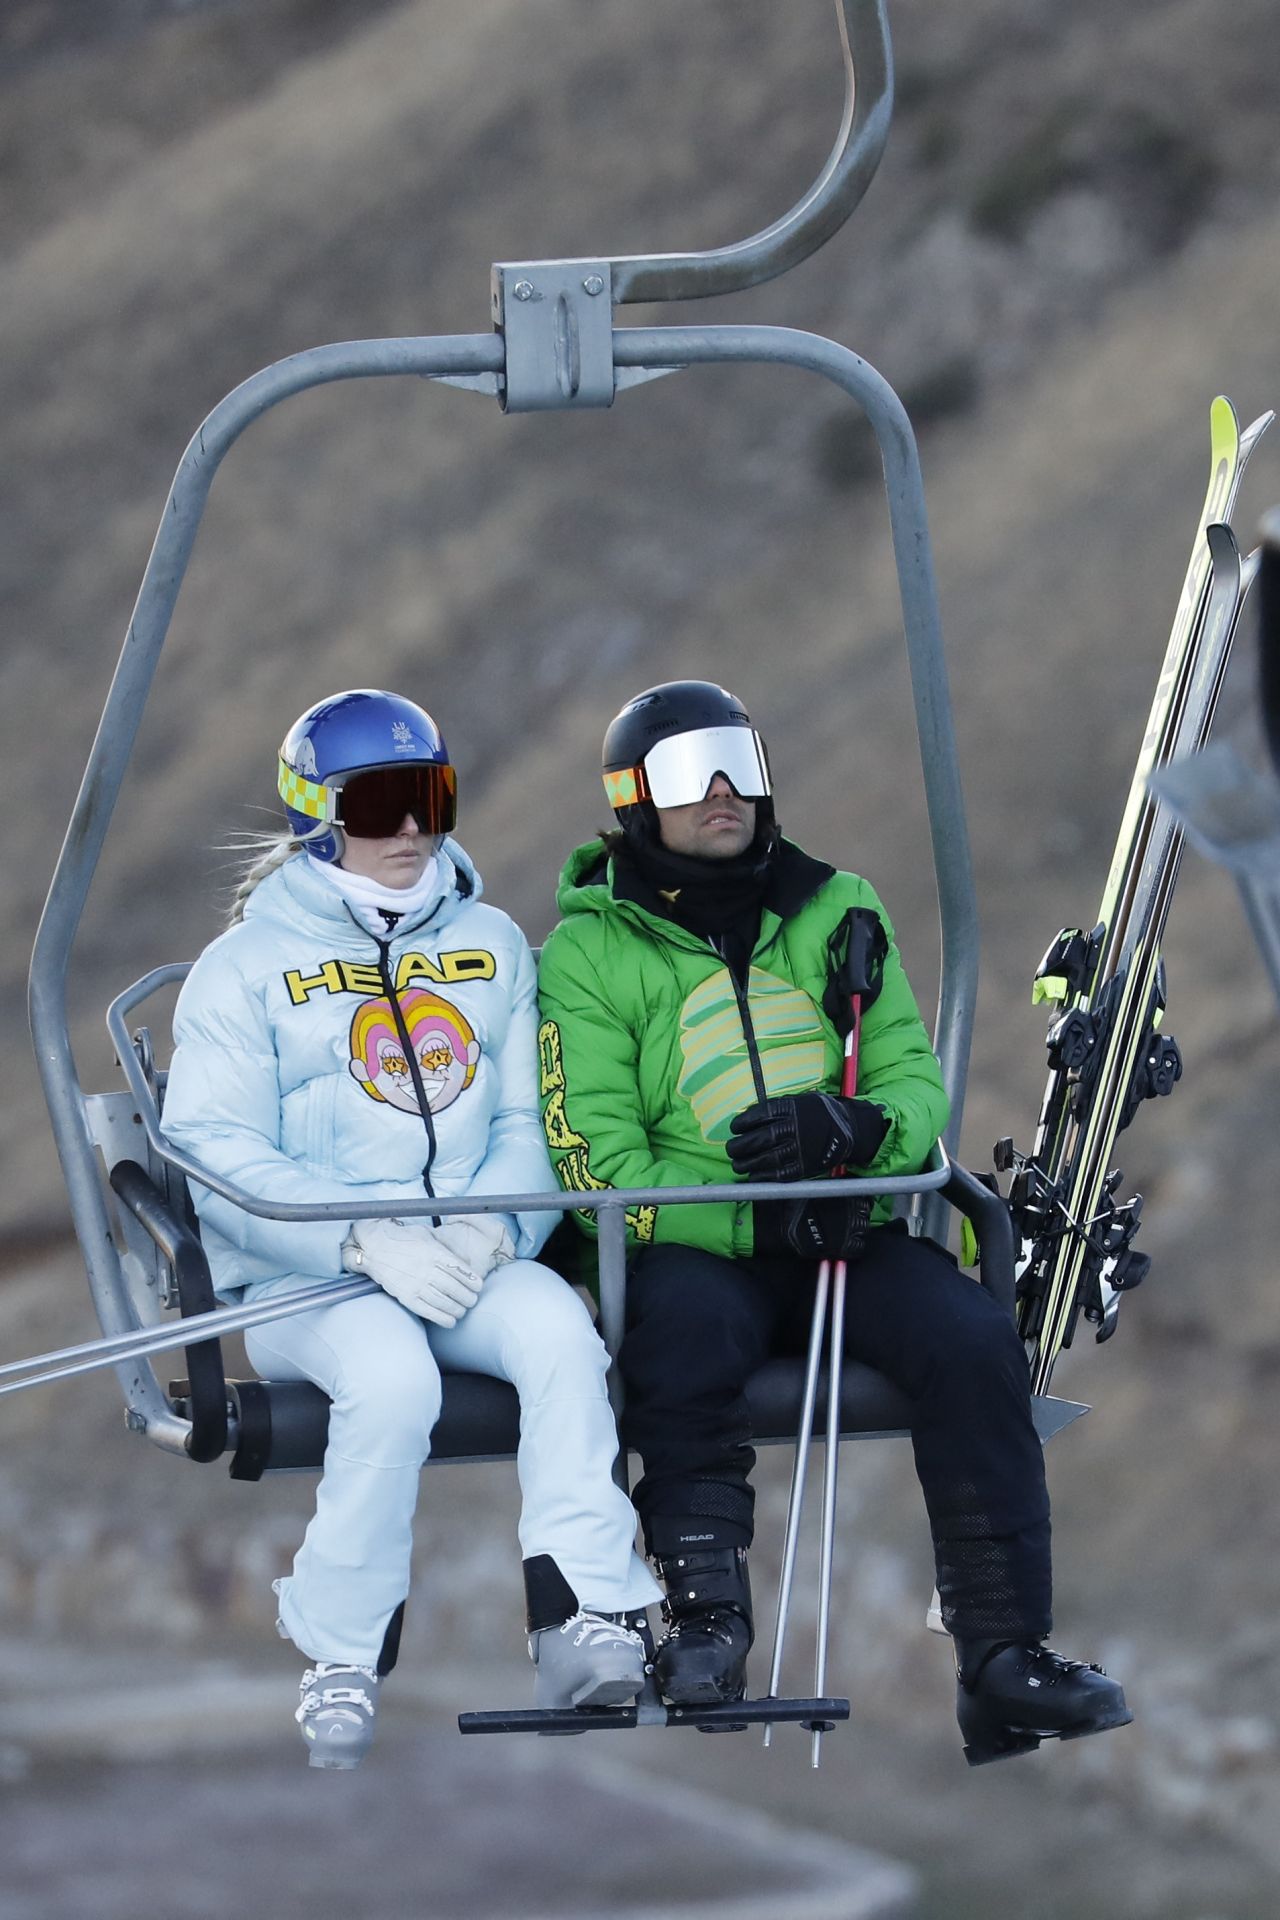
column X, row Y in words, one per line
column 373, row 805
column 679, row 771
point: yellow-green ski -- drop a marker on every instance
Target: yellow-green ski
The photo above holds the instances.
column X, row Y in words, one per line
column 1105, row 1045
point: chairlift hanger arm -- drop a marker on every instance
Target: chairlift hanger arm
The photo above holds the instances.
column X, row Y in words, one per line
column 555, row 316
column 860, row 142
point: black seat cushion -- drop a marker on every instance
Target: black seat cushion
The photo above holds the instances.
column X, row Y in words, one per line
column 284, row 1424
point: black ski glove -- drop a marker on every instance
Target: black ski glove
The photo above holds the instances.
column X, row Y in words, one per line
column 805, row 1135
column 834, row 1229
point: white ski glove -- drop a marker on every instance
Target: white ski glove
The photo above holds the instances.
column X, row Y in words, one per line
column 411, row 1261
column 482, row 1241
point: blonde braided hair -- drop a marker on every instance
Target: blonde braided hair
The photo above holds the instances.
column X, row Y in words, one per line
column 267, row 852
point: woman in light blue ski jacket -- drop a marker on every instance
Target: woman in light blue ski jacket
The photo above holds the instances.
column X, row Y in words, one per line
column 292, row 1079
column 367, row 1030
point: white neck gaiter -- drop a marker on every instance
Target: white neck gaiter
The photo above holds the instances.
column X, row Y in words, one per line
column 369, row 899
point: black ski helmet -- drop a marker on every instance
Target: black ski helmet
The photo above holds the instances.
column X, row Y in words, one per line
column 666, row 712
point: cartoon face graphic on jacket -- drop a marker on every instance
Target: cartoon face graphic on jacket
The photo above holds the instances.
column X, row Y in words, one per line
column 444, row 1047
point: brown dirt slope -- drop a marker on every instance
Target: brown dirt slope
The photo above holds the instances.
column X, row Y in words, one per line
column 1071, row 248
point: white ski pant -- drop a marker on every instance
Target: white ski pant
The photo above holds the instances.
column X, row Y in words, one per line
column 380, row 1366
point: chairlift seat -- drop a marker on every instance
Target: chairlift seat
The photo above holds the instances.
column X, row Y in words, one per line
column 281, row 1426
column 273, row 1426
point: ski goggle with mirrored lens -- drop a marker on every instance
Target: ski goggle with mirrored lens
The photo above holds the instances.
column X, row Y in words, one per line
column 373, row 805
column 677, row 772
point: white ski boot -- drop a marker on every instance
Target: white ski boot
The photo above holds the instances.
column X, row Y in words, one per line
column 590, row 1660
column 336, row 1714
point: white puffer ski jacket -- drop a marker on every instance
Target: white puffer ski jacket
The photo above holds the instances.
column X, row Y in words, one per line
column 290, row 1078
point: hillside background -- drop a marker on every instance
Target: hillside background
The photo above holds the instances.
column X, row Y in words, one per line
column 1070, row 247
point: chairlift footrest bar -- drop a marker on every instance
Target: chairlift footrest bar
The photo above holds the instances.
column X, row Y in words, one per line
column 727, row 1716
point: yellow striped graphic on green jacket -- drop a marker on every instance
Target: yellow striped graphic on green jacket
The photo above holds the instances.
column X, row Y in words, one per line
column 716, row 1077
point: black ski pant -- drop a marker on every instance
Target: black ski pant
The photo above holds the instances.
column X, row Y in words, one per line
column 698, row 1326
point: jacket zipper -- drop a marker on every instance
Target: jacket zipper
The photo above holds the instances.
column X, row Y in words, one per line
column 397, row 1014
column 748, row 1025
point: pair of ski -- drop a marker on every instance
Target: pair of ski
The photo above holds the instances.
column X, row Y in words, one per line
column 1106, row 1049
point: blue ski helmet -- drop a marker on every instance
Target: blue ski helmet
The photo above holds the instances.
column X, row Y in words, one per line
column 363, row 760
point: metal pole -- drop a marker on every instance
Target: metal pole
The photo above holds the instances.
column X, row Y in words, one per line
column 612, row 1244
column 830, row 1471
column 904, row 487
column 442, row 357
column 850, row 167
column 144, row 1343
column 799, row 1472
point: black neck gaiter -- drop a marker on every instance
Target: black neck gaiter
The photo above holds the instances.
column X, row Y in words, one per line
column 718, row 900
column 704, row 895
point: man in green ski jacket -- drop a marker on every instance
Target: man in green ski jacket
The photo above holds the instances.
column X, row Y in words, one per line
column 694, row 999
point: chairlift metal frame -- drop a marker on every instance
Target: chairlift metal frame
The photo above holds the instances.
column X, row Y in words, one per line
column 554, row 347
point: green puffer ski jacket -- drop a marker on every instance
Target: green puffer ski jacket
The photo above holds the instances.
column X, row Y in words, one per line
column 646, row 1046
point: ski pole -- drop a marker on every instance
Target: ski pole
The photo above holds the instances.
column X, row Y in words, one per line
column 799, row 1471
column 835, row 1383
column 858, row 975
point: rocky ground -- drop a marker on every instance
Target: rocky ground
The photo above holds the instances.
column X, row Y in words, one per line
column 1070, row 247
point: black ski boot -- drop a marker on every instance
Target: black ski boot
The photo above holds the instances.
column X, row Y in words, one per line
column 702, row 1658
column 1011, row 1695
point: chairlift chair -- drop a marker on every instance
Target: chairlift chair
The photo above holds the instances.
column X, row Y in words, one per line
column 554, row 346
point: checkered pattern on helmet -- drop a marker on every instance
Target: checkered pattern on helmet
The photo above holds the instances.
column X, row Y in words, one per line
column 623, row 787
column 304, row 796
